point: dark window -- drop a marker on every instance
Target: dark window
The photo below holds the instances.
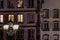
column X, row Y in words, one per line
column 10, row 4
column 30, row 18
column 46, row 13
column 1, row 35
column 56, row 13
column 1, row 4
column 56, row 37
column 56, row 26
column 45, row 37
column 20, row 34
column 45, row 26
column 31, row 34
column 30, row 3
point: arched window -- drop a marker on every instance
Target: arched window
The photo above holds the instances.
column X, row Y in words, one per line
column 45, row 37
column 56, row 36
column 46, row 13
column 45, row 26
column 55, row 25
column 55, row 13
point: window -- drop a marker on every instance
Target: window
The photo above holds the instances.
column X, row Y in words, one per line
column 30, row 18
column 20, row 34
column 20, row 18
column 10, row 4
column 11, row 18
column 56, row 13
column 1, row 35
column 30, row 3
column 1, row 4
column 31, row 34
column 45, row 37
column 45, row 26
column 46, row 13
column 56, row 37
column 56, row 26
column 20, row 3
column 1, row 18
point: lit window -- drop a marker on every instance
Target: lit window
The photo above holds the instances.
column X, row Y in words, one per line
column 20, row 18
column 11, row 17
column 1, row 18
column 20, row 3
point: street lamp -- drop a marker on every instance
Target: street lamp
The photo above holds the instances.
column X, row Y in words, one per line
column 10, row 28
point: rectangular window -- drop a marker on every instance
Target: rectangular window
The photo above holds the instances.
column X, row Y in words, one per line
column 10, row 4
column 20, row 3
column 46, row 13
column 11, row 18
column 45, row 26
column 1, row 18
column 1, row 4
column 20, row 18
column 30, row 3
column 56, row 26
column 30, row 18
column 56, row 13
column 31, row 34
column 20, row 34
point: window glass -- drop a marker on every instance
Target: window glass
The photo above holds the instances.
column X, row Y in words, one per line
column 30, row 3
column 11, row 18
column 1, row 18
column 56, row 13
column 20, row 3
column 20, row 18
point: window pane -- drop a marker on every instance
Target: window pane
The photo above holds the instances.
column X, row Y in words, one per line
column 30, row 3
column 20, row 3
column 56, row 13
column 45, row 37
column 1, row 18
column 11, row 18
column 56, row 26
column 30, row 18
column 10, row 4
column 20, row 34
column 45, row 26
column 31, row 34
column 1, row 4
column 46, row 13
column 20, row 18
column 56, row 37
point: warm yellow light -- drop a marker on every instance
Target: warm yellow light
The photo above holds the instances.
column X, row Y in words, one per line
column 20, row 18
column 11, row 17
column 20, row 2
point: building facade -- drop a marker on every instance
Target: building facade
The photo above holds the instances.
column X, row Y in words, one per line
column 22, row 12
column 50, row 21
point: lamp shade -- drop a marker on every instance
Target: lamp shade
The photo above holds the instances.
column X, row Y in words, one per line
column 5, row 27
column 15, row 27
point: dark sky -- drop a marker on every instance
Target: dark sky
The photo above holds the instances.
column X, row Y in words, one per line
column 51, row 4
